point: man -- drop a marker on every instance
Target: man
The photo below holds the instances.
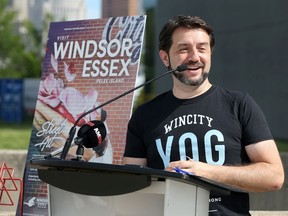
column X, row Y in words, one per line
column 224, row 132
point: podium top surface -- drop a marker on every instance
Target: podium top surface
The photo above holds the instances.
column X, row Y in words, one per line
column 109, row 179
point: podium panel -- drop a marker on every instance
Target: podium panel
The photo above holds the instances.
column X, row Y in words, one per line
column 185, row 199
column 161, row 198
column 141, row 203
column 83, row 188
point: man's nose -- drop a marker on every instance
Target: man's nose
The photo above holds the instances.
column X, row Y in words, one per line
column 194, row 55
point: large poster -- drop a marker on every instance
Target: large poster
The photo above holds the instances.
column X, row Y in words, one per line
column 87, row 63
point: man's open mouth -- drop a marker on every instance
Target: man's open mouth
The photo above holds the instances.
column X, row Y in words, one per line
column 194, row 68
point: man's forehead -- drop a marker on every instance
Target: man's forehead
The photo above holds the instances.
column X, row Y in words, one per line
column 185, row 36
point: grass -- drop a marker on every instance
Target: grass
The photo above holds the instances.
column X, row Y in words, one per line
column 17, row 136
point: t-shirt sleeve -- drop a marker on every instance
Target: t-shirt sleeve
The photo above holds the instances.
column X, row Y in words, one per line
column 255, row 127
column 134, row 144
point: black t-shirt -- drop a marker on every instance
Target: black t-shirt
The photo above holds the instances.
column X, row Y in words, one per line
column 214, row 128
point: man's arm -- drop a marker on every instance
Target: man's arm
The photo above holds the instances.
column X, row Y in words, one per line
column 136, row 161
column 264, row 173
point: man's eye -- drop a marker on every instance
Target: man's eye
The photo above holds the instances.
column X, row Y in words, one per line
column 183, row 49
column 202, row 49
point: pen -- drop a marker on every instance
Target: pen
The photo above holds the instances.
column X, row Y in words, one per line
column 178, row 170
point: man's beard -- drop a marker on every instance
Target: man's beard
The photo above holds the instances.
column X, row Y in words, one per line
column 182, row 78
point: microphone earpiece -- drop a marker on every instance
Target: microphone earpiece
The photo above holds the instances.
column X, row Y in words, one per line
column 181, row 68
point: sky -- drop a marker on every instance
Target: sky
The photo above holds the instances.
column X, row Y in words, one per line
column 93, row 9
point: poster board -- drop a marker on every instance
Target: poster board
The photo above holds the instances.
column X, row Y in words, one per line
column 87, row 63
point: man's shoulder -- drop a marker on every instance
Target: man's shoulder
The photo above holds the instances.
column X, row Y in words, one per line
column 231, row 94
column 159, row 100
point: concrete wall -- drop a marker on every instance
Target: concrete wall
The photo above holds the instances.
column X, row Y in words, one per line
column 250, row 53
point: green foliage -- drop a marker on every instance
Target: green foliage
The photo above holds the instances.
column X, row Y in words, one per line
column 147, row 93
column 16, row 59
column 149, row 60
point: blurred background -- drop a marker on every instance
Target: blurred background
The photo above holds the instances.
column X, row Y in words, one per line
column 251, row 54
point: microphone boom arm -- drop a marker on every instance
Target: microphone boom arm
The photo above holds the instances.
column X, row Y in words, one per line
column 72, row 131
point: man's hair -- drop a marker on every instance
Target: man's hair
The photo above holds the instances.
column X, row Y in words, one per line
column 189, row 22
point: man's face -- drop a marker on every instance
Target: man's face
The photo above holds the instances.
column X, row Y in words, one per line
column 190, row 47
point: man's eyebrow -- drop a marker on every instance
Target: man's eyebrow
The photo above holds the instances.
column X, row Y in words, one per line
column 183, row 44
column 203, row 43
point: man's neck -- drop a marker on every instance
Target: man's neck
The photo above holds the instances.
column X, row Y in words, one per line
column 183, row 91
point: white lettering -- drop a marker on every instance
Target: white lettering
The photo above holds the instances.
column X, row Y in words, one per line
column 112, row 68
column 188, row 120
column 190, row 138
column 91, row 49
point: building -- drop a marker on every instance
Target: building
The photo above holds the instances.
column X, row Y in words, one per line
column 114, row 8
column 68, row 10
column 37, row 11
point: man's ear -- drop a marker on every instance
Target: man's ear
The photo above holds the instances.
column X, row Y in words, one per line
column 164, row 57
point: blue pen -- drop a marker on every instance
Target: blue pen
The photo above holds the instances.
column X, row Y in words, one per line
column 178, row 170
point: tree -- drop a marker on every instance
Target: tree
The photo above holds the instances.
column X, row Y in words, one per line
column 147, row 93
column 16, row 61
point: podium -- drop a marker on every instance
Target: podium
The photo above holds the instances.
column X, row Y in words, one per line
column 85, row 188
